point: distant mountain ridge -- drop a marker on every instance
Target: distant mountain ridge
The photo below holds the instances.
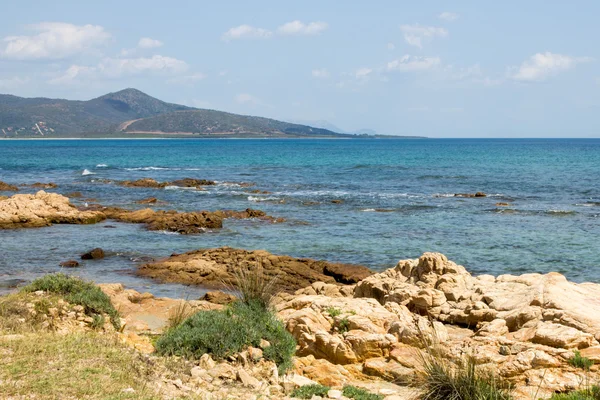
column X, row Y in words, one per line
column 132, row 111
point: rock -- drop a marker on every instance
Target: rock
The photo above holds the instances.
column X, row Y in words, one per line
column 502, row 204
column 247, row 380
column 347, row 273
column 5, row 187
column 337, row 201
column 149, row 200
column 39, row 185
column 144, row 182
column 478, row 194
column 391, row 370
column 94, row 254
column 218, row 297
column 565, row 337
column 69, row 264
column 74, row 194
column 334, row 394
column 206, row 362
column 189, row 182
column 215, row 267
column 43, row 209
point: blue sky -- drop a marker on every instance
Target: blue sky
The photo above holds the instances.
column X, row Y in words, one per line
column 435, row 68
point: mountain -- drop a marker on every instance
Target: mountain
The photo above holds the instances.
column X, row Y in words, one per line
column 131, row 111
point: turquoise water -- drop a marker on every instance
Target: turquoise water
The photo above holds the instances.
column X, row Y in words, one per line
column 397, row 202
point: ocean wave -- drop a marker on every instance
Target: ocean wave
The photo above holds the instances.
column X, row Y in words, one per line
column 369, row 210
column 182, row 188
column 560, row 212
column 443, row 195
column 153, row 168
column 101, row 165
column 87, row 172
column 589, row 204
column 257, row 199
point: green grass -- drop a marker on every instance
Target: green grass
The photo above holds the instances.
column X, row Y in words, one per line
column 593, row 393
column 344, row 325
column 355, row 393
column 77, row 291
column 580, row 362
column 444, row 381
column 333, row 312
column 229, row 331
column 308, row 391
column 80, row 366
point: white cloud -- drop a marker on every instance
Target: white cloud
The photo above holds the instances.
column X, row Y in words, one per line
column 246, row 32
column 391, row 46
column 187, row 79
column 245, row 98
column 11, row 83
column 408, row 63
column 147, row 43
column 55, row 40
column 300, row 28
column 119, row 67
column 541, row 66
column 320, row 73
column 416, row 34
column 363, row 73
column 448, row 16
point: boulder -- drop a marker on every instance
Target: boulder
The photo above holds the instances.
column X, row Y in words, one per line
column 218, row 297
column 189, row 182
column 43, row 209
column 478, row 194
column 94, row 254
column 6, row 187
column 69, row 264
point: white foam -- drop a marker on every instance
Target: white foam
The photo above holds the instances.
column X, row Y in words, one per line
column 180, row 188
column 87, row 172
column 151, row 169
column 101, row 165
column 368, row 210
column 260, row 199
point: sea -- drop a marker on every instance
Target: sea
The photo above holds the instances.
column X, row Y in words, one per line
column 361, row 201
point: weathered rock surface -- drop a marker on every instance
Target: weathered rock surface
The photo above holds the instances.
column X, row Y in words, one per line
column 478, row 194
column 40, row 185
column 6, row 187
column 42, row 209
column 144, row 183
column 94, row 254
column 152, row 183
column 215, row 267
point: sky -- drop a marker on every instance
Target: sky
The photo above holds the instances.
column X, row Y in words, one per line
column 436, row 68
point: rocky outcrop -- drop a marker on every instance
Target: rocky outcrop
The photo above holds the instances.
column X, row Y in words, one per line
column 40, row 185
column 180, row 222
column 94, row 254
column 42, row 209
column 152, row 183
column 478, row 194
column 5, row 187
column 216, row 267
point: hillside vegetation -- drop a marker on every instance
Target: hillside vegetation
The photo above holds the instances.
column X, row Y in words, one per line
column 130, row 111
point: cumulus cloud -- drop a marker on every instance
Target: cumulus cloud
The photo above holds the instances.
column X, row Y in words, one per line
column 246, row 32
column 321, row 73
column 416, row 35
column 119, row 67
column 147, row 43
column 409, row 63
column 448, row 16
column 54, row 40
column 541, row 66
column 245, row 98
column 300, row 28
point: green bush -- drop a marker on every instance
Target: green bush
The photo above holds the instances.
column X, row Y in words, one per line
column 308, row 391
column 77, row 291
column 226, row 332
column 333, row 312
column 443, row 381
column 580, row 362
column 359, row 394
column 593, row 393
column 344, row 325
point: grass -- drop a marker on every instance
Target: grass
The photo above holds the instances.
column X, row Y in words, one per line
column 78, row 366
column 444, row 381
column 182, row 312
column 77, row 291
column 333, row 312
column 254, row 286
column 355, row 393
column 308, row 391
column 592, row 393
column 229, row 331
column 344, row 325
column 580, row 362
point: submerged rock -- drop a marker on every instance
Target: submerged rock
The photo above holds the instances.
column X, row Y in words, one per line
column 40, row 185
column 144, row 182
column 43, row 209
column 478, row 194
column 189, row 182
column 5, row 187
column 215, row 267
column 69, row 264
column 94, row 254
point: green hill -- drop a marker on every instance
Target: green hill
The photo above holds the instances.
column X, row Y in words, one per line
column 130, row 111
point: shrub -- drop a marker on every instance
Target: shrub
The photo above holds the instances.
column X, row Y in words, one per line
column 224, row 333
column 344, row 325
column 360, row 394
column 308, row 391
column 77, row 291
column 443, row 381
column 580, row 362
